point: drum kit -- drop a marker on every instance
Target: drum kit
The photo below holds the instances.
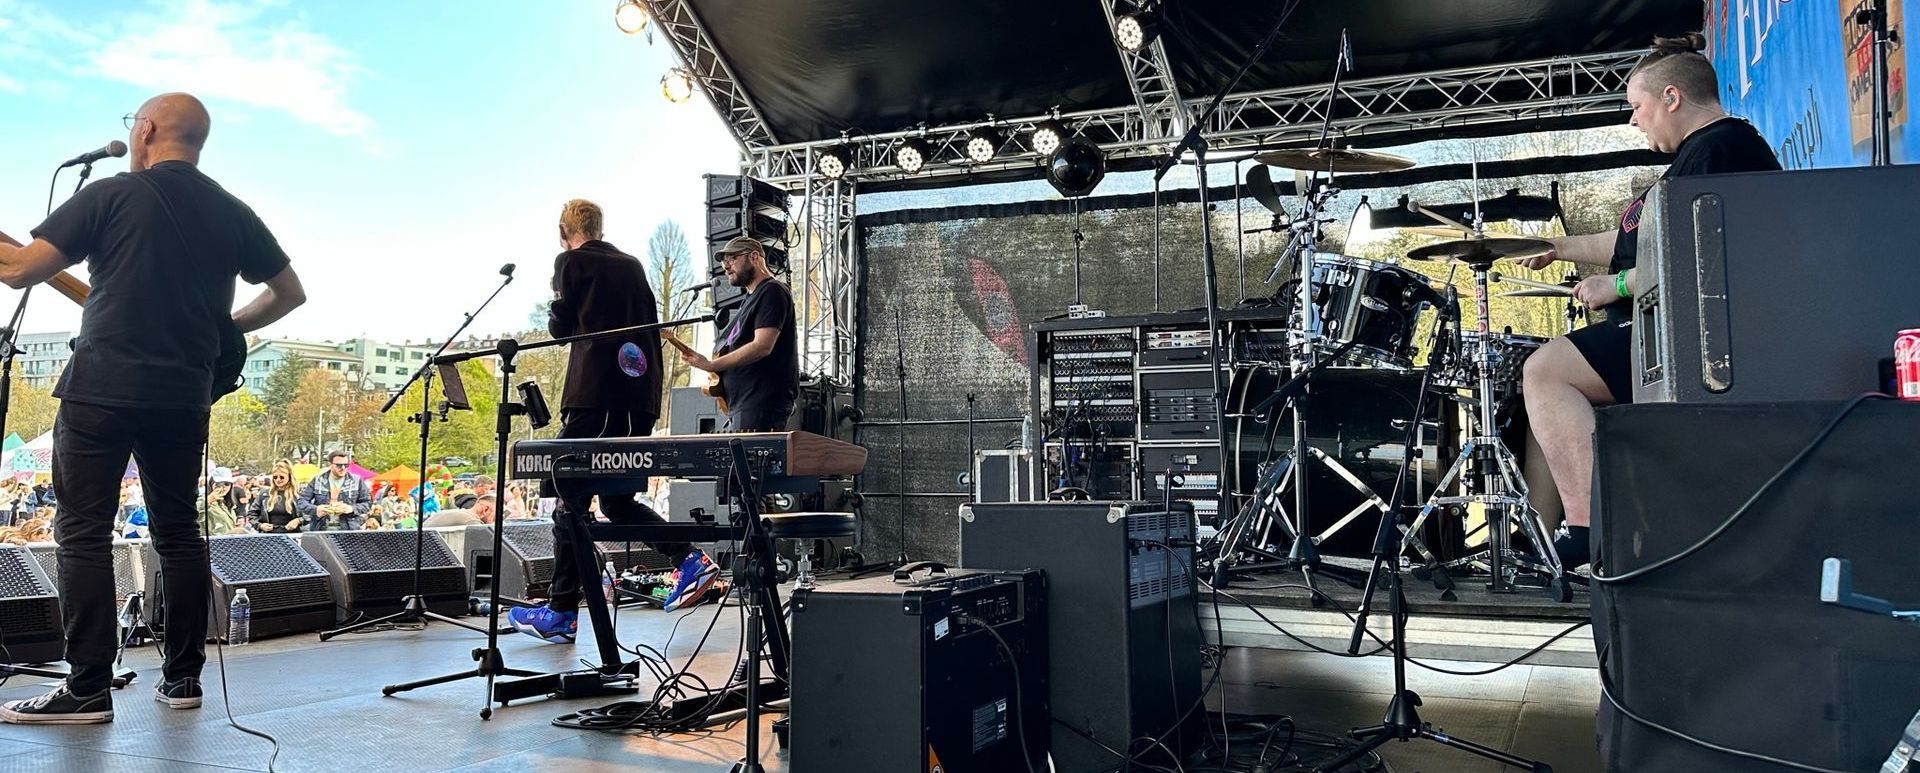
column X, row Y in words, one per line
column 1365, row 314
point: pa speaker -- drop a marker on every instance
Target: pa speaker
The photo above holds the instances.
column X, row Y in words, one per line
column 288, row 590
column 1731, row 644
column 30, row 629
column 371, row 572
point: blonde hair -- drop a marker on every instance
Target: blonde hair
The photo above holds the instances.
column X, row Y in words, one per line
column 1677, row 62
column 285, row 495
column 580, row 217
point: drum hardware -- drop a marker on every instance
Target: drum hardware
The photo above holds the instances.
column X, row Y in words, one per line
column 1489, row 470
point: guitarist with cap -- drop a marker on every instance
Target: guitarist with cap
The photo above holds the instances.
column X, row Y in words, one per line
column 163, row 244
column 757, row 360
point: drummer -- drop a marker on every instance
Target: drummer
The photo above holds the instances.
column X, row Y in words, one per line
column 1674, row 95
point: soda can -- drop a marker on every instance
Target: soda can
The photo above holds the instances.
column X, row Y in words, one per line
column 1906, row 363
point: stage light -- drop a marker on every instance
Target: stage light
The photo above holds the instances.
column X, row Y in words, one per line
column 833, row 162
column 1135, row 31
column 630, row 17
column 676, row 85
column 1048, row 136
column 912, row 156
column 1076, row 168
column 983, row 144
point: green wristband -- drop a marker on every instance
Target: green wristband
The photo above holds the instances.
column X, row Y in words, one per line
column 1620, row 285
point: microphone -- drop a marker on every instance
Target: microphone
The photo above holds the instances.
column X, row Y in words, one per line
column 507, row 270
column 114, row 149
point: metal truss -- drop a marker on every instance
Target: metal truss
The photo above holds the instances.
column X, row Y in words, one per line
column 827, row 277
column 1559, row 87
column 689, row 39
column 1155, row 93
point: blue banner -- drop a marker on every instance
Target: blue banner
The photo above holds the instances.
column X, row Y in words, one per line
column 1800, row 71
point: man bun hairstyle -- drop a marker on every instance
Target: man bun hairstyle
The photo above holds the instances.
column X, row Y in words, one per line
column 581, row 217
column 1678, row 62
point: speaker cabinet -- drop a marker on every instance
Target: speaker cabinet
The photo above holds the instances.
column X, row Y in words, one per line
column 1123, row 638
column 527, row 569
column 288, row 589
column 371, row 572
column 128, row 578
column 1731, row 644
column 30, row 630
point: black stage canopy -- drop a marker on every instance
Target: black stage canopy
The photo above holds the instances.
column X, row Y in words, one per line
column 817, row 68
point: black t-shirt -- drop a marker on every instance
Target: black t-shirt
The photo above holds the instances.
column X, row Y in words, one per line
column 1725, row 146
column 772, row 382
column 602, row 288
column 161, row 296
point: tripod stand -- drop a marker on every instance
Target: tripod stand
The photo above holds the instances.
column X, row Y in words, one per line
column 413, row 607
column 1402, row 721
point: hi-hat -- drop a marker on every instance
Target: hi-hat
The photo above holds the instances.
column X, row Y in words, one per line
column 1335, row 160
column 1482, row 252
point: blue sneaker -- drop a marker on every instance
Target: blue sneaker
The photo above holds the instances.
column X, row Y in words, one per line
column 545, row 624
column 696, row 576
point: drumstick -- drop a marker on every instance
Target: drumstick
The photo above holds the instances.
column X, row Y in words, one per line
column 1499, row 277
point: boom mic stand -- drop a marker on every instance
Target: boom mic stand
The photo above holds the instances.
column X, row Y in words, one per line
column 490, row 663
column 413, row 608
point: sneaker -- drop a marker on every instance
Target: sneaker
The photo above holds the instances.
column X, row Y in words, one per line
column 60, row 707
column 697, row 575
column 181, row 694
column 545, row 624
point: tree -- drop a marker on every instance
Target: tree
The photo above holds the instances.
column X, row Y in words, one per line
column 282, row 383
column 30, row 409
column 671, row 269
column 537, row 319
column 316, row 410
column 236, row 435
column 465, row 433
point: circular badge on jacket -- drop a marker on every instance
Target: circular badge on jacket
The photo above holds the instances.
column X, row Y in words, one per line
column 632, row 361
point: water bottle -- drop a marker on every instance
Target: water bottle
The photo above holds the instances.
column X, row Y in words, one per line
column 606, row 583
column 240, row 618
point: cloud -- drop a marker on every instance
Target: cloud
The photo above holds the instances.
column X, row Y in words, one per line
column 10, row 85
column 251, row 52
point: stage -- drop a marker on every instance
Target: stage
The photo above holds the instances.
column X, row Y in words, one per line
column 322, row 700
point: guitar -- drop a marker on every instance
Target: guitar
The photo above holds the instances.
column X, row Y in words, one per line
column 712, row 388
column 233, row 344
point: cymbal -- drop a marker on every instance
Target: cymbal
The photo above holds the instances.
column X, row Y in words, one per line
column 1535, row 293
column 1335, row 160
column 1482, row 252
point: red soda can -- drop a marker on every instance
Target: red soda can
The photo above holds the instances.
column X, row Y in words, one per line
column 1906, row 363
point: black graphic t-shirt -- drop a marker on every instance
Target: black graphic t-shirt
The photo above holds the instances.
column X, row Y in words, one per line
column 1725, row 146
column 770, row 383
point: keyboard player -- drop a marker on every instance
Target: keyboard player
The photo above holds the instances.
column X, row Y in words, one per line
column 757, row 361
column 612, row 390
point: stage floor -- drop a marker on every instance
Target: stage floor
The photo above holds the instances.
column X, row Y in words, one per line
column 322, row 700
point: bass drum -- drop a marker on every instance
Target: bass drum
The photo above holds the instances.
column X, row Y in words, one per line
column 1358, row 418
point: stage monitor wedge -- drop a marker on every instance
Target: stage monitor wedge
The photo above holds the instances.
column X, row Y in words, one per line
column 288, row 590
column 30, row 628
column 371, row 572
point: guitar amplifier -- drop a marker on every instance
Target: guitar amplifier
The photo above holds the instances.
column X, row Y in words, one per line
column 899, row 674
column 371, row 572
column 288, row 590
column 30, row 628
column 1775, row 285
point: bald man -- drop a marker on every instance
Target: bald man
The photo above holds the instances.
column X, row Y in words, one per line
column 163, row 244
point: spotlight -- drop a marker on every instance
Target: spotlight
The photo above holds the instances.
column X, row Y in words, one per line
column 1135, row 31
column 833, row 162
column 983, row 144
column 677, row 85
column 630, row 17
column 1076, row 167
column 1048, row 136
column 912, row 156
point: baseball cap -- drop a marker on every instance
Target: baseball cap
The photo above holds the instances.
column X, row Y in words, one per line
column 739, row 244
column 222, row 475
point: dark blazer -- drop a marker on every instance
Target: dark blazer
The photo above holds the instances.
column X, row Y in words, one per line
column 602, row 288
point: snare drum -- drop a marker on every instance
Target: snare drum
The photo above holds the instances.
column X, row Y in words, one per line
column 1510, row 352
column 1374, row 306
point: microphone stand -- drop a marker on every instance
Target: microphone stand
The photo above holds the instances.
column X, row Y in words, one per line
column 9, row 348
column 490, row 663
column 413, row 608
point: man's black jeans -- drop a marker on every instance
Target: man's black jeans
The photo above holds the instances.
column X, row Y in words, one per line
column 90, row 448
column 617, row 507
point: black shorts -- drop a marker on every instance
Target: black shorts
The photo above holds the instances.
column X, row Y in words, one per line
column 1608, row 347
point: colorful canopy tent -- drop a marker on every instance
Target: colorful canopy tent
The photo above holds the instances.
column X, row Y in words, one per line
column 401, row 477
column 303, row 472
column 28, row 458
column 357, row 471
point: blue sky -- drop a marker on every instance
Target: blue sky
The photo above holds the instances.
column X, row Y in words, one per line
column 400, row 151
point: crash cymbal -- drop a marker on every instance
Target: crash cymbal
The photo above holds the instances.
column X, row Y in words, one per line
column 1482, row 252
column 1535, row 293
column 1335, row 160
